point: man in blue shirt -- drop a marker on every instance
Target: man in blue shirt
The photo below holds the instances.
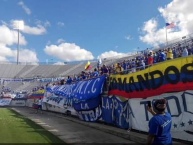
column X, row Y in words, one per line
column 159, row 125
column 124, row 65
column 95, row 73
column 162, row 56
column 69, row 80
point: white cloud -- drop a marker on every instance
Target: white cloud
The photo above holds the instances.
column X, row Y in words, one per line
column 68, row 52
column 10, row 37
column 60, row 24
column 111, row 54
column 45, row 24
column 26, row 9
column 3, row 59
column 38, row 30
column 4, row 23
column 60, row 40
column 128, row 37
column 178, row 11
column 26, row 55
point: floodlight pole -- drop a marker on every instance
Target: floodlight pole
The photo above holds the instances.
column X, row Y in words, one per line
column 18, row 49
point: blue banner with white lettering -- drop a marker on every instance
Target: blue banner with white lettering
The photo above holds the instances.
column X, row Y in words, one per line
column 115, row 111
column 85, row 96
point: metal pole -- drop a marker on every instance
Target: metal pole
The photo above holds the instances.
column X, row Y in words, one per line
column 166, row 38
column 18, row 49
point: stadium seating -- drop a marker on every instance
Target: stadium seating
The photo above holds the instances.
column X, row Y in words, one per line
column 10, row 71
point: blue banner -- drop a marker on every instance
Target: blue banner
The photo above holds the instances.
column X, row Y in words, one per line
column 85, row 96
column 116, row 112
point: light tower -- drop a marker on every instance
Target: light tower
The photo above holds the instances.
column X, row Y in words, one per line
column 19, row 25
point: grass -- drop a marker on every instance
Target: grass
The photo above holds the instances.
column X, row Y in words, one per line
column 15, row 128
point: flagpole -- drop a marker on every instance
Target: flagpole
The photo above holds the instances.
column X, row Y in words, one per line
column 166, row 37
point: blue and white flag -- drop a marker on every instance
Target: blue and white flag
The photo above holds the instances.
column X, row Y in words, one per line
column 85, row 97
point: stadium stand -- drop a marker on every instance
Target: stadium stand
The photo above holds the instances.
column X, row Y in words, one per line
column 14, row 71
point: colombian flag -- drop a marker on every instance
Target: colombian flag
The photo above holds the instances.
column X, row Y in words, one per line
column 88, row 66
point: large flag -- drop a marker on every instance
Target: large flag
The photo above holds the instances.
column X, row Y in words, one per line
column 170, row 25
column 88, row 66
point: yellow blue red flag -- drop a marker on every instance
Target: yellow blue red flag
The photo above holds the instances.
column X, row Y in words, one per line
column 88, row 66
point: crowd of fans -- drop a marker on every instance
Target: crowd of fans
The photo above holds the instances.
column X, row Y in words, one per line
column 143, row 60
column 139, row 62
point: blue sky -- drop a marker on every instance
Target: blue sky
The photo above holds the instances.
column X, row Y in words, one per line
column 97, row 26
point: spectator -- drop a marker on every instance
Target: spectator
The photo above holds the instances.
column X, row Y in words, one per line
column 154, row 58
column 161, row 56
column 62, row 82
column 189, row 50
column 124, row 65
column 83, row 75
column 69, row 80
column 75, row 79
column 169, row 54
column 133, row 66
column 180, row 47
column 185, row 52
column 160, row 124
column 118, row 68
column 39, row 102
column 104, row 70
column 146, row 61
column 174, row 52
column 142, row 65
column 95, row 73
column 150, row 60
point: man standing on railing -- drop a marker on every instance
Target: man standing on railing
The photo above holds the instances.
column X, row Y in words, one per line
column 160, row 124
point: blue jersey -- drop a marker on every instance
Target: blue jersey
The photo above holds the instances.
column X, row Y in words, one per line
column 133, row 64
column 96, row 74
column 124, row 66
column 160, row 127
column 162, row 57
column 69, row 80
column 83, row 77
column 154, row 58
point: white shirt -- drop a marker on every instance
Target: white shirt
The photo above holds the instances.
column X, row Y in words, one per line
column 39, row 102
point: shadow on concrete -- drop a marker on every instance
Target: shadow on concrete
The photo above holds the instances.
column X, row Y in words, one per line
column 37, row 128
